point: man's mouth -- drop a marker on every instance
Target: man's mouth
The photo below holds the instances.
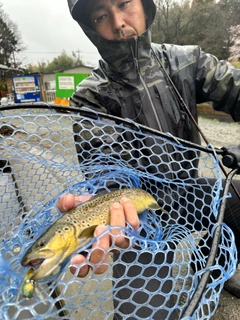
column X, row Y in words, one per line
column 126, row 38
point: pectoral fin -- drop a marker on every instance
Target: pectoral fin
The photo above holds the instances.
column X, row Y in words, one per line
column 85, row 237
column 88, row 232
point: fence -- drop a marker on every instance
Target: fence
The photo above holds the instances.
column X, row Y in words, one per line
column 50, row 95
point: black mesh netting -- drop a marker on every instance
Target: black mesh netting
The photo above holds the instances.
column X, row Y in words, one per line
column 46, row 153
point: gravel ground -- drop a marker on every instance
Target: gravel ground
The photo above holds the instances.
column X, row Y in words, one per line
column 223, row 134
column 220, row 133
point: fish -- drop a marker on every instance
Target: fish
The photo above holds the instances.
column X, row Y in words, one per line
column 74, row 230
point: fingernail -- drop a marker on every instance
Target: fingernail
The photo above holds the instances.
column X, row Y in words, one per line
column 78, row 202
column 116, row 205
column 124, row 199
column 84, row 199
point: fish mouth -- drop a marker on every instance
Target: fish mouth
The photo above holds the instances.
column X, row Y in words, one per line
column 44, row 266
column 35, row 263
column 36, row 260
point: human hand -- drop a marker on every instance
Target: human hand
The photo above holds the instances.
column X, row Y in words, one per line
column 120, row 212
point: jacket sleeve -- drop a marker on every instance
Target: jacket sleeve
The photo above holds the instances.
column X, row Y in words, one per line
column 219, row 82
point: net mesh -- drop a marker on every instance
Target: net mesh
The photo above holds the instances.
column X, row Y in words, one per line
column 46, row 153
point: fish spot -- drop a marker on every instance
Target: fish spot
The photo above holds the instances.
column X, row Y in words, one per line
column 66, row 229
column 89, row 219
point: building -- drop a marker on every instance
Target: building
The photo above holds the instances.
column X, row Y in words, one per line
column 10, row 83
column 50, row 81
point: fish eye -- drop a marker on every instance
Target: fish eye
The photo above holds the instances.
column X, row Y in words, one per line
column 42, row 244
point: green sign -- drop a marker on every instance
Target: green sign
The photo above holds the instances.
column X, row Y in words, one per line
column 66, row 83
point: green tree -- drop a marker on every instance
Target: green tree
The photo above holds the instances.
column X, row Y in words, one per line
column 229, row 26
column 170, row 20
column 207, row 23
column 63, row 61
column 10, row 41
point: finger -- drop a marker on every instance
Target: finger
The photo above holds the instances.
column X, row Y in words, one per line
column 100, row 250
column 130, row 212
column 81, row 199
column 98, row 255
column 117, row 218
column 78, row 259
column 66, row 202
column 69, row 201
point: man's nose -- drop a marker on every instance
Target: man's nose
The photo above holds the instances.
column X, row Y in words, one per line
column 117, row 22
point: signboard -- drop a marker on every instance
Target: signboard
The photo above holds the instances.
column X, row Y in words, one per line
column 66, row 83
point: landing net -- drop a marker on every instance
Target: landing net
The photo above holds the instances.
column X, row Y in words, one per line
column 46, row 153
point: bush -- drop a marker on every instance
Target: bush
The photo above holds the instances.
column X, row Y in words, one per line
column 236, row 64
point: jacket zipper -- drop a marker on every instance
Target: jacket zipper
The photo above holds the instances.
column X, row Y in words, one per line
column 144, row 84
column 148, row 94
column 150, row 100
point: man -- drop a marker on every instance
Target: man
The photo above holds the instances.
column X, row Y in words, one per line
column 131, row 83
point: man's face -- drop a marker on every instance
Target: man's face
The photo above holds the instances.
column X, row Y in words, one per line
column 117, row 19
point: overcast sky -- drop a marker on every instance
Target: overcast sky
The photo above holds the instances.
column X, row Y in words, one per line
column 47, row 29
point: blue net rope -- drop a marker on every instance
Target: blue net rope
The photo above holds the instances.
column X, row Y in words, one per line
column 46, row 154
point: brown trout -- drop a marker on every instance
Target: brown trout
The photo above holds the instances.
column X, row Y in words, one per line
column 75, row 229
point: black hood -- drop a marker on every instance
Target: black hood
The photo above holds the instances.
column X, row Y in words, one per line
column 115, row 52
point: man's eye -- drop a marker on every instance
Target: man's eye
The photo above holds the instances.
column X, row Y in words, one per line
column 100, row 19
column 123, row 4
